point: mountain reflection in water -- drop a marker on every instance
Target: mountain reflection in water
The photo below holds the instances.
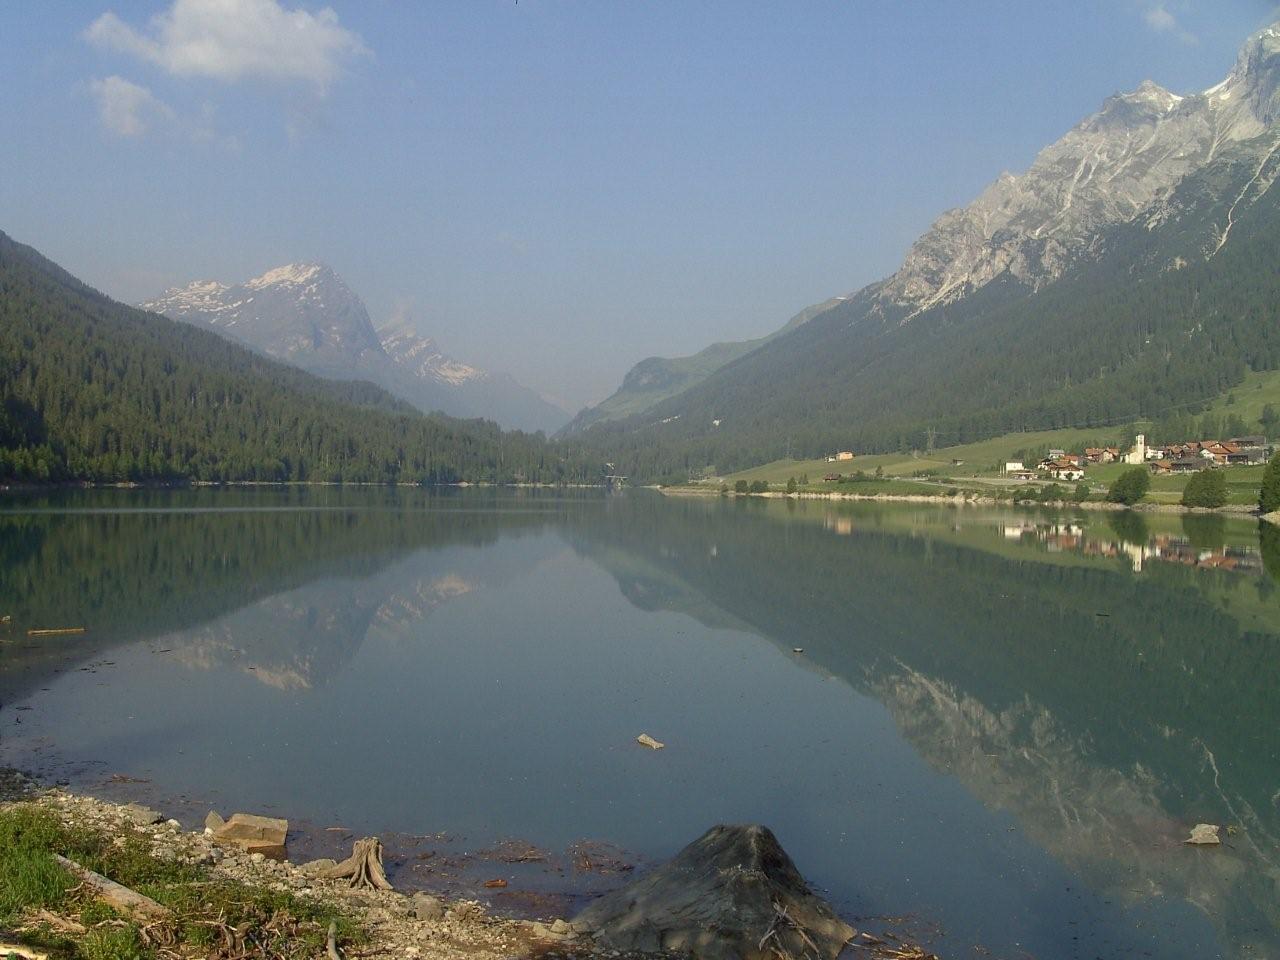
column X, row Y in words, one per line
column 1062, row 694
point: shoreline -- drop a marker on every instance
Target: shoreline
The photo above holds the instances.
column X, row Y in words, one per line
column 1231, row 510
column 387, row 921
column 403, row 922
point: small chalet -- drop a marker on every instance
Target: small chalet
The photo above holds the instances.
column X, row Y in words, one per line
column 1253, row 449
column 1064, row 468
column 1220, row 451
column 1188, row 464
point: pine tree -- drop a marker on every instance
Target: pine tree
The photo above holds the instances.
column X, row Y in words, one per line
column 1269, row 496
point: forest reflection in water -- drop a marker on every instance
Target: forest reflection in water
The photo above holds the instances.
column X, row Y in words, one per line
column 1003, row 720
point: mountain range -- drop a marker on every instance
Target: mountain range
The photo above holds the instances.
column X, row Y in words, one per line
column 305, row 315
column 1128, row 272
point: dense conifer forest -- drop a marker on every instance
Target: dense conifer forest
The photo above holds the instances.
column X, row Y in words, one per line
column 93, row 390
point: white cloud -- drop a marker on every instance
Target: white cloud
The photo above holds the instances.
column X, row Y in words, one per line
column 127, row 109
column 232, row 40
column 1160, row 19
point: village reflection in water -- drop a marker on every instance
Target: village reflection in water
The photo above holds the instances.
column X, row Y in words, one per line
column 1071, row 537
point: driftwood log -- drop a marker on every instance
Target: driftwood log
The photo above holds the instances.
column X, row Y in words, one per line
column 120, row 897
column 363, row 869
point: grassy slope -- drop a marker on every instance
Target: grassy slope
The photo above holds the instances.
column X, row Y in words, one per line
column 1257, row 390
column 978, row 458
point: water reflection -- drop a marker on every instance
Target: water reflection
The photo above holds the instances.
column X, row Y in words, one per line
column 1201, row 543
column 1087, row 683
column 1106, row 705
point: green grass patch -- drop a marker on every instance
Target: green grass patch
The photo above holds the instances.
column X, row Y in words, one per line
column 269, row 923
column 978, row 458
column 938, row 475
column 1249, row 398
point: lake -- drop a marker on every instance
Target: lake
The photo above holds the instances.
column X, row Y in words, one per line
column 999, row 728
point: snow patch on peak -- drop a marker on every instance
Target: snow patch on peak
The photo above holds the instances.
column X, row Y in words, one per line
column 202, row 286
column 422, row 356
column 292, row 274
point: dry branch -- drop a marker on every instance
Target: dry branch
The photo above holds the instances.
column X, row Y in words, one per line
column 118, row 896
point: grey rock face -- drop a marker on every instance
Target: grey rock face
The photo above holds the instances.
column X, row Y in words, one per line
column 1107, row 170
column 732, row 893
column 301, row 313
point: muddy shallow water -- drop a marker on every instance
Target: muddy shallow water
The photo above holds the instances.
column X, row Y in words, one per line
column 1001, row 723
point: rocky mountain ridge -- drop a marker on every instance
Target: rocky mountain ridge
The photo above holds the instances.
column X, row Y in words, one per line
column 422, row 356
column 1107, row 170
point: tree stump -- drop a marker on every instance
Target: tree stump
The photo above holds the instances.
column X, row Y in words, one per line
column 363, row 869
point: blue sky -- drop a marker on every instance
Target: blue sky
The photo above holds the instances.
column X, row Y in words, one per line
column 553, row 188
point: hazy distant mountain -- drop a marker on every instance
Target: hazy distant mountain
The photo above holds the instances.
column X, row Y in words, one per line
column 1130, row 271
column 474, row 392
column 655, row 379
column 304, row 314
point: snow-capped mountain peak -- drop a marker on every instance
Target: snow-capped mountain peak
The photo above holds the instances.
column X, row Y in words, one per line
column 300, row 310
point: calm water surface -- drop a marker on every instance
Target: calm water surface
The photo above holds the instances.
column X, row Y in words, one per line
column 1002, row 723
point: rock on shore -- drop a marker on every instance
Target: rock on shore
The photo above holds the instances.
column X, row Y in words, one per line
column 732, row 894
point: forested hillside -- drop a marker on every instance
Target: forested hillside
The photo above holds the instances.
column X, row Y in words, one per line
column 93, row 390
column 1147, row 326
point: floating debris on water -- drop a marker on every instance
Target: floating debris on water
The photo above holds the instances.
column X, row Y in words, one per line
column 1204, row 834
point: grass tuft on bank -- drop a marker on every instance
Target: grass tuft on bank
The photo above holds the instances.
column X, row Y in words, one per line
column 44, row 907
